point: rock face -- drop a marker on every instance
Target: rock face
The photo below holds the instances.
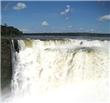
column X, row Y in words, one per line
column 16, row 46
column 6, row 64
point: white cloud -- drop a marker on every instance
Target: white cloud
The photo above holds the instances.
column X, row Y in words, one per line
column 44, row 23
column 66, row 10
column 19, row 6
column 105, row 18
column 68, row 6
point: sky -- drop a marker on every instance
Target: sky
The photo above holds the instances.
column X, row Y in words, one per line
column 57, row 16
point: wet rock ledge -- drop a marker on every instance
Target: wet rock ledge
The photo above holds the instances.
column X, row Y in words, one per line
column 6, row 65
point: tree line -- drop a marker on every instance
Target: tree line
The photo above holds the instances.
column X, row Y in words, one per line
column 10, row 31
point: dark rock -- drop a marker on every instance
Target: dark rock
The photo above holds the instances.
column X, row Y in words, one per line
column 16, row 47
column 6, row 64
column 81, row 43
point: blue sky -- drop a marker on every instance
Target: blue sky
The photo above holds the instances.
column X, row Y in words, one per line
column 57, row 16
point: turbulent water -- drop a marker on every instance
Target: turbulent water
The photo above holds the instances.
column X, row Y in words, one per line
column 60, row 71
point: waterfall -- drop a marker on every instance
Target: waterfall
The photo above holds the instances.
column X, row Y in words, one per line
column 59, row 71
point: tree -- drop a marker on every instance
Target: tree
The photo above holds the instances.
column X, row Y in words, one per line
column 10, row 31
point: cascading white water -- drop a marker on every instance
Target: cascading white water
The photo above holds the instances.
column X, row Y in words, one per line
column 61, row 71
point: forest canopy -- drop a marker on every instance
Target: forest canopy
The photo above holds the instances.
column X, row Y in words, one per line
column 10, row 31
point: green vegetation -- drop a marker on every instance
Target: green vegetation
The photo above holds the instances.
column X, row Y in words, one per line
column 10, row 31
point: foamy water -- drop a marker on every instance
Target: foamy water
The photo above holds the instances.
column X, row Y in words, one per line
column 60, row 71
